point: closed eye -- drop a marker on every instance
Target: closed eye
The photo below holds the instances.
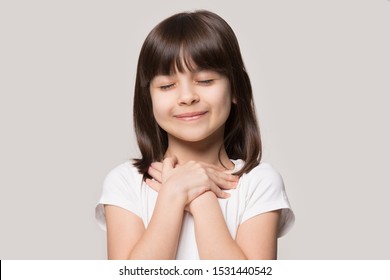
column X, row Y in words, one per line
column 166, row 87
column 205, row 82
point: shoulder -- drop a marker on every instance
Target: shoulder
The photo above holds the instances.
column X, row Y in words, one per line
column 263, row 179
column 264, row 191
column 123, row 175
column 124, row 170
column 261, row 173
column 264, row 172
column 121, row 187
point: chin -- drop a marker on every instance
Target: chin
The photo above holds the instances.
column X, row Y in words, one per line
column 194, row 135
column 189, row 138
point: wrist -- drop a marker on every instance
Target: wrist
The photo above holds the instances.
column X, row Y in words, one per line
column 172, row 197
column 202, row 201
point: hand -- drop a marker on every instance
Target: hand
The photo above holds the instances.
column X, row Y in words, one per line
column 191, row 179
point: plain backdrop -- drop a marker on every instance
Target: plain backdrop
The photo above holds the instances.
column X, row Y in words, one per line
column 320, row 71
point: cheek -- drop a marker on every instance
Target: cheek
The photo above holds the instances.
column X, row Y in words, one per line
column 160, row 107
column 228, row 104
column 226, row 110
column 223, row 101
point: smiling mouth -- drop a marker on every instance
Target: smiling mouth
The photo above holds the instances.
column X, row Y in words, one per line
column 190, row 116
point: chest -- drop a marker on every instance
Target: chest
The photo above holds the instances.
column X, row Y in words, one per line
column 231, row 208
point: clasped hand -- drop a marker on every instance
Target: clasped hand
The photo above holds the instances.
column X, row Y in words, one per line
column 189, row 181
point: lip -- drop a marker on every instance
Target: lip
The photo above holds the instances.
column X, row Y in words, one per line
column 190, row 115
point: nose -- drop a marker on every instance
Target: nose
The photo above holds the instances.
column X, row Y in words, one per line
column 187, row 94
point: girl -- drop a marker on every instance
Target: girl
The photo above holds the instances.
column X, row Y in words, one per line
column 199, row 190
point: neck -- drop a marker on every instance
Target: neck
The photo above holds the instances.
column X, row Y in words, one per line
column 212, row 152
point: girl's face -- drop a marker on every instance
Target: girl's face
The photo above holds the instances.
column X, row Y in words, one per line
column 191, row 106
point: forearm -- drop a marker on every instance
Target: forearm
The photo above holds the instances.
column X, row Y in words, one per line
column 160, row 238
column 212, row 235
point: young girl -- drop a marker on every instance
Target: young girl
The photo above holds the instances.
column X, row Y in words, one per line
column 199, row 190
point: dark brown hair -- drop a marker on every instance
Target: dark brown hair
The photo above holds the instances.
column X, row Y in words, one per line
column 192, row 40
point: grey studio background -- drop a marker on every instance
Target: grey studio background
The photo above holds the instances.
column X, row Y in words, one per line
column 320, row 72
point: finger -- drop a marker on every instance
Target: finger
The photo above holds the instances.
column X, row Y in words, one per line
column 157, row 165
column 219, row 192
column 153, row 184
column 221, row 181
column 224, row 175
column 212, row 166
column 168, row 164
column 155, row 174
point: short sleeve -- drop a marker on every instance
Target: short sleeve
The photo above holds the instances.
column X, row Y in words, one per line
column 119, row 189
column 266, row 192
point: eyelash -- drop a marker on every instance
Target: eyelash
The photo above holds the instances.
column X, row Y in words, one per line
column 166, row 87
column 205, row 82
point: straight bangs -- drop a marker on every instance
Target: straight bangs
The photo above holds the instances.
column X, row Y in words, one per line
column 180, row 43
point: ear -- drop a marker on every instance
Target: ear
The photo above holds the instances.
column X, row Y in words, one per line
column 234, row 100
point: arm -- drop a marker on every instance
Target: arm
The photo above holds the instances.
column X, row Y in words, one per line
column 256, row 238
column 127, row 237
column 177, row 187
column 212, row 235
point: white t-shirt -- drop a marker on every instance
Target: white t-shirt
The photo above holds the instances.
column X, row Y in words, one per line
column 259, row 191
